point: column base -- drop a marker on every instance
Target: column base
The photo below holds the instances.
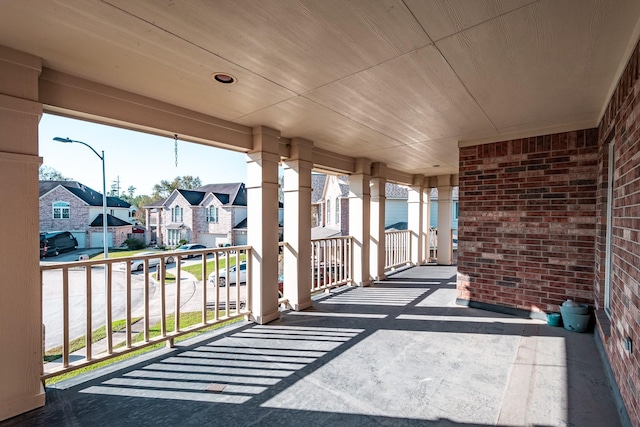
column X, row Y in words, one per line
column 20, row 406
column 261, row 320
column 301, row 305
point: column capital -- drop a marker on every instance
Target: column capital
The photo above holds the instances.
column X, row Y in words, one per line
column 379, row 170
column 301, row 149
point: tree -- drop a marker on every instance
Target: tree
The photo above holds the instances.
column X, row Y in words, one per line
column 165, row 188
column 47, row 173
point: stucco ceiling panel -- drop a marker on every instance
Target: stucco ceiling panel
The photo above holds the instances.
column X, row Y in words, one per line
column 119, row 50
column 299, row 45
column 442, row 18
column 326, row 128
column 420, row 158
column 412, row 98
column 546, row 64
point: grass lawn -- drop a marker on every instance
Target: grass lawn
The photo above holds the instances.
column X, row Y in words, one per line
column 79, row 343
column 186, row 319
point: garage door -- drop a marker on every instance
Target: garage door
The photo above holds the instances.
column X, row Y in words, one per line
column 211, row 240
column 81, row 237
column 97, row 240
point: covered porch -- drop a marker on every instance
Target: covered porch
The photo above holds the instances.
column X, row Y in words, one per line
column 399, row 352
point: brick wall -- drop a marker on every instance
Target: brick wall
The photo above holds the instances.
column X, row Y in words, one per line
column 78, row 212
column 527, row 221
column 620, row 126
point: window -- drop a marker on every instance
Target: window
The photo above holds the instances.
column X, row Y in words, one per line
column 328, row 210
column 337, row 211
column 212, row 214
column 61, row 210
column 455, row 210
column 176, row 214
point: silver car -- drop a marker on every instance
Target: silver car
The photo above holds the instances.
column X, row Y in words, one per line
column 138, row 264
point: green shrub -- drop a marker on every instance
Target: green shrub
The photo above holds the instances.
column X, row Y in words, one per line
column 134, row 244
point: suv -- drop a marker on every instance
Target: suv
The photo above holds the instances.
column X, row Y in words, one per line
column 55, row 243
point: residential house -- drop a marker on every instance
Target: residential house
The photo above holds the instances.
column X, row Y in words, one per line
column 74, row 207
column 212, row 214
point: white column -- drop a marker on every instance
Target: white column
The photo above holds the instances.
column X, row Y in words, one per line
column 21, row 290
column 426, row 218
column 445, row 249
column 415, row 217
column 359, row 220
column 262, row 223
column 297, row 224
column 378, row 202
column 147, row 222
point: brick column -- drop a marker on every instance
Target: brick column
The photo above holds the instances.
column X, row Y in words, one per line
column 262, row 223
column 359, row 220
column 378, row 202
column 297, row 224
column 21, row 289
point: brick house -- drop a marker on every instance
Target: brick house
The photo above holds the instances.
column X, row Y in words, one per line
column 212, row 214
column 74, row 207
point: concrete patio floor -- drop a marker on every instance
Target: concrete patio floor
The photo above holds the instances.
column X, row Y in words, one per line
column 394, row 354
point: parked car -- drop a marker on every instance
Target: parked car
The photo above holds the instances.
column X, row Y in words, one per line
column 138, row 264
column 222, row 273
column 52, row 244
column 191, row 247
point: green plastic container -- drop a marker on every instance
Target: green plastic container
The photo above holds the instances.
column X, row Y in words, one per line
column 553, row 319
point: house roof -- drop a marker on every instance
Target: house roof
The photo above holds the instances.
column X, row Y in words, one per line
column 229, row 194
column 112, row 221
column 235, row 192
column 84, row 193
column 242, row 225
column 395, row 191
column 317, row 186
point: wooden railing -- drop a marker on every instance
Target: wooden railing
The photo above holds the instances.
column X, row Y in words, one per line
column 81, row 297
column 397, row 248
column 331, row 262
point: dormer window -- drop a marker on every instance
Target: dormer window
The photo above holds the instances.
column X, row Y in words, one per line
column 61, row 210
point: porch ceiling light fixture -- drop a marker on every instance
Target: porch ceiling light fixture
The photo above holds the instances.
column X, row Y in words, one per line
column 224, row 78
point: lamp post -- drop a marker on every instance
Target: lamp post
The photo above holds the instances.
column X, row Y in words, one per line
column 104, row 192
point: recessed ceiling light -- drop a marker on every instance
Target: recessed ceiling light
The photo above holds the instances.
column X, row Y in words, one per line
column 224, row 78
column 436, row 166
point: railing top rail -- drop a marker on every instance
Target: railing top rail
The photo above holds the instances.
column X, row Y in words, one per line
column 333, row 238
column 397, row 231
column 158, row 254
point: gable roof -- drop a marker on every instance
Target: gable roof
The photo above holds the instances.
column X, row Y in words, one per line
column 230, row 194
column 84, row 193
column 317, row 186
column 236, row 192
column 112, row 221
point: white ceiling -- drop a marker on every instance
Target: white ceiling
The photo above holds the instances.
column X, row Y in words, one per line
column 401, row 82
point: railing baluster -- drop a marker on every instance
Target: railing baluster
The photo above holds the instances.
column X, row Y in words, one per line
column 204, row 287
column 147, row 320
column 163, row 297
column 216, row 287
column 88, row 333
column 128, row 314
column 65, row 317
column 109, row 321
column 177, row 311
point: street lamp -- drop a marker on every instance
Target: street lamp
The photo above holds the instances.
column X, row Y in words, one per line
column 104, row 192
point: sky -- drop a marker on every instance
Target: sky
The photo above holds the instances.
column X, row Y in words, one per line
column 137, row 159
